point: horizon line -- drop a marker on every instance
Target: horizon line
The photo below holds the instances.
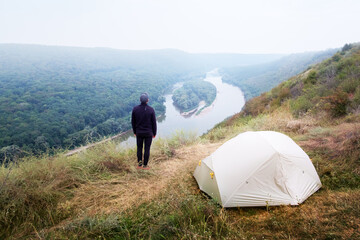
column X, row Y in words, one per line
column 168, row 48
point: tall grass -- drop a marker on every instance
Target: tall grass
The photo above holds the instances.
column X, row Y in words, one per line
column 34, row 200
column 178, row 213
column 31, row 193
column 34, row 192
column 182, row 212
column 164, row 148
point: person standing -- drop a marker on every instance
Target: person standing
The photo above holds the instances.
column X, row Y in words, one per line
column 143, row 121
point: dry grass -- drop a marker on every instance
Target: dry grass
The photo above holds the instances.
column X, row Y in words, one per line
column 340, row 137
column 169, row 196
column 178, row 210
column 131, row 190
column 280, row 120
column 99, row 192
column 326, row 215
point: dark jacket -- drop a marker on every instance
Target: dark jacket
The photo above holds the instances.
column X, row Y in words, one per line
column 143, row 120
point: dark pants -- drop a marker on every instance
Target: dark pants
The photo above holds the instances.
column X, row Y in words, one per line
column 140, row 143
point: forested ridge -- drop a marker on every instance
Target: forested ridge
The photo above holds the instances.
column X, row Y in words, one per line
column 56, row 97
column 256, row 79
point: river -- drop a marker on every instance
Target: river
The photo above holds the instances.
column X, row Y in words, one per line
column 229, row 100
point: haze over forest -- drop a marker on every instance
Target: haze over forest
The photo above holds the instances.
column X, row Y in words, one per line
column 64, row 97
column 56, row 95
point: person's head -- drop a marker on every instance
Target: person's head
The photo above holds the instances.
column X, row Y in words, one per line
column 144, row 98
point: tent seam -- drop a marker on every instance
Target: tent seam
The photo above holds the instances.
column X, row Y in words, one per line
column 276, row 152
column 237, row 188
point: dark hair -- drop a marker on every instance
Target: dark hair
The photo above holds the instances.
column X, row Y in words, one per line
column 144, row 97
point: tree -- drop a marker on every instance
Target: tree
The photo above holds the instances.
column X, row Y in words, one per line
column 10, row 153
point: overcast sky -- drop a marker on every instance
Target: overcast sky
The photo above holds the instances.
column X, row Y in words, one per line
column 238, row 26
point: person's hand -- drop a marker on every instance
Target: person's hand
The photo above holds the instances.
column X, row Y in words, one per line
column 154, row 136
column 134, row 134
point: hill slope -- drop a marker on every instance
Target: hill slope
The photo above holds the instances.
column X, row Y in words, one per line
column 100, row 194
column 256, row 79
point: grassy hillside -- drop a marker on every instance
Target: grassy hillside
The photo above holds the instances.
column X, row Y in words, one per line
column 98, row 194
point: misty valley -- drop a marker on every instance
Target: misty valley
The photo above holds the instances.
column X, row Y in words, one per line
column 63, row 97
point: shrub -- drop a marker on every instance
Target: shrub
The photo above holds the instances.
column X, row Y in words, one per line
column 336, row 57
column 10, row 154
column 311, row 78
column 346, row 47
column 282, row 94
column 356, row 99
column 300, row 106
column 296, row 89
column 349, row 85
column 256, row 105
column 337, row 103
column 217, row 134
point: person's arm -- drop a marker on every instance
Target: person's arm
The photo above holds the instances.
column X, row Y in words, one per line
column 153, row 122
column 133, row 122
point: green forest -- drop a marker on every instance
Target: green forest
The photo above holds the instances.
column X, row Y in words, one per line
column 73, row 110
column 59, row 97
column 191, row 93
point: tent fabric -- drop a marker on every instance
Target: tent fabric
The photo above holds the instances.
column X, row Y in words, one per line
column 262, row 168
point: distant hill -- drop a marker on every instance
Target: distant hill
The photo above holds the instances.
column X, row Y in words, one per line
column 256, row 79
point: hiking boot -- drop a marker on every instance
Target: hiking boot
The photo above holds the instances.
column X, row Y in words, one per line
column 145, row 167
column 139, row 164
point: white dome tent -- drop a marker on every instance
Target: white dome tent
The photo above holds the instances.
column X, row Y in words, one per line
column 258, row 169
